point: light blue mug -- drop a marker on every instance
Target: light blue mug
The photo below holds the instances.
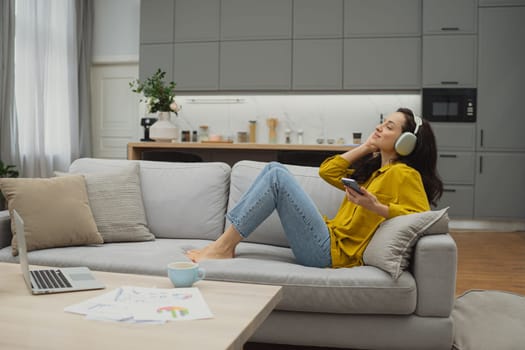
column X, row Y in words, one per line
column 184, row 273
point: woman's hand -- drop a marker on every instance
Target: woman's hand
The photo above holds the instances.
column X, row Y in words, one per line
column 367, row 200
column 370, row 144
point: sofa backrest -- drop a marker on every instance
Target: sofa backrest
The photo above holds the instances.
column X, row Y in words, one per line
column 326, row 197
column 181, row 200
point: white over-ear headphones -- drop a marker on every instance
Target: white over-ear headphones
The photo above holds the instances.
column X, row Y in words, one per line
column 406, row 142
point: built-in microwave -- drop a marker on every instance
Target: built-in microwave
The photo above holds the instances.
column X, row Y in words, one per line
column 449, row 105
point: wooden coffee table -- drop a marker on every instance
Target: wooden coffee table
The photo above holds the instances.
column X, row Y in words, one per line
column 31, row 322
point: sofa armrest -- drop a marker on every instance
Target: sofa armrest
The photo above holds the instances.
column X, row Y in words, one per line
column 5, row 229
column 434, row 268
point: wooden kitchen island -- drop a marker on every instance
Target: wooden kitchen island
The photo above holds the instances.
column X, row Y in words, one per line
column 230, row 153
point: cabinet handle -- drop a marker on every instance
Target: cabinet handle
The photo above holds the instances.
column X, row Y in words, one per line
column 449, row 83
column 449, row 29
column 481, row 137
column 480, row 164
column 448, row 156
column 450, row 190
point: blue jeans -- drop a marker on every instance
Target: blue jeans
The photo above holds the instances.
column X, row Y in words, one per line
column 275, row 188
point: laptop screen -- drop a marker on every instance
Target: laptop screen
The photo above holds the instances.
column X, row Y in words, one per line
column 22, row 249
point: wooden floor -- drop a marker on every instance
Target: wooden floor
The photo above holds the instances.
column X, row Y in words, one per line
column 486, row 260
column 490, row 260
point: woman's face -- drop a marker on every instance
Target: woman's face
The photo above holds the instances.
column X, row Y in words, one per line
column 386, row 134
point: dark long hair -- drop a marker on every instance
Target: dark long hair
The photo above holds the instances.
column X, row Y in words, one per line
column 423, row 158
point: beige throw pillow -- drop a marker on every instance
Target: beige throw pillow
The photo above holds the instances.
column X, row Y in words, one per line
column 391, row 245
column 116, row 201
column 55, row 211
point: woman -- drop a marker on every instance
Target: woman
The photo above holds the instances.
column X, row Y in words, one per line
column 392, row 182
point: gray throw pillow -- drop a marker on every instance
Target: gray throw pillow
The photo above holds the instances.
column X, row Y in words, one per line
column 391, row 245
column 115, row 199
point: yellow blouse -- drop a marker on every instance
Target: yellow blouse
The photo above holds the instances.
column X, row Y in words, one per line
column 396, row 185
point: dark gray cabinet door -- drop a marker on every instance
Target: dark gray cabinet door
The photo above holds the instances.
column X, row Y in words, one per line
column 459, row 199
column 455, row 136
column 449, row 16
column 382, row 18
column 317, row 19
column 156, row 21
column 501, row 78
column 196, row 66
column 499, row 189
column 456, row 168
column 382, row 63
column 256, row 65
column 155, row 56
column 197, row 20
column 449, row 61
column 256, row 19
column 317, row 64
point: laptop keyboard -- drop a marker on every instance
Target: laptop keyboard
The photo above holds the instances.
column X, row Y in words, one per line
column 50, row 279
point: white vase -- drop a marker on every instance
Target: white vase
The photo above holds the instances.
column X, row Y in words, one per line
column 164, row 130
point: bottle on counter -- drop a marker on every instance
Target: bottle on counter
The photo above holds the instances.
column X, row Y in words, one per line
column 203, row 133
column 253, row 131
column 287, row 138
column 272, row 129
column 185, row 136
column 300, row 139
column 242, row 137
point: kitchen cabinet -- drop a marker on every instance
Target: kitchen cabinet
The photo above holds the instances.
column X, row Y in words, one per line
column 459, row 199
column 449, row 61
column 256, row 65
column 317, row 64
column 501, row 123
column 499, row 189
column 455, row 136
column 456, row 168
column 255, row 19
column 456, row 165
column 197, row 20
column 153, row 57
column 382, row 63
column 374, row 18
column 317, row 19
column 449, row 16
column 156, row 21
column 196, row 66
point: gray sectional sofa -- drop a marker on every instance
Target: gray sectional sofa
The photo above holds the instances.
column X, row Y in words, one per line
column 363, row 307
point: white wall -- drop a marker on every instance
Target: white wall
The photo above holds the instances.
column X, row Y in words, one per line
column 116, row 49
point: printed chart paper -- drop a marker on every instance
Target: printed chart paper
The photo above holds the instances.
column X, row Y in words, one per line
column 145, row 305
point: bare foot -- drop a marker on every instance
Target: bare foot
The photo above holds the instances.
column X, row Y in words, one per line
column 212, row 251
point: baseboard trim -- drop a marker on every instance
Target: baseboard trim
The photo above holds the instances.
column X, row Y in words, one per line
column 487, row 225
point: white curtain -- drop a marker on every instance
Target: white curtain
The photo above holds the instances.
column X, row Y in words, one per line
column 8, row 125
column 46, row 85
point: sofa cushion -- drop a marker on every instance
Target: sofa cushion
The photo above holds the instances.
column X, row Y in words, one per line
column 115, row 199
column 326, row 197
column 181, row 200
column 357, row 290
column 391, row 245
column 55, row 211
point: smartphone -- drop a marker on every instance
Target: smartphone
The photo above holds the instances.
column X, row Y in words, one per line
column 352, row 184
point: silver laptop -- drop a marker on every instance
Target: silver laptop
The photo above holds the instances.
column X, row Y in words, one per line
column 55, row 280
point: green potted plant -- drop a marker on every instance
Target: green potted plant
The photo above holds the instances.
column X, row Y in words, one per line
column 6, row 171
column 159, row 97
